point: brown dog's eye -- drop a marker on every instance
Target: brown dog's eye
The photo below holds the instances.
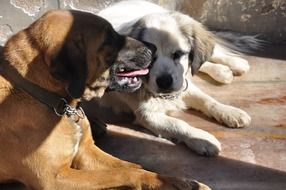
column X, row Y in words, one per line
column 178, row 54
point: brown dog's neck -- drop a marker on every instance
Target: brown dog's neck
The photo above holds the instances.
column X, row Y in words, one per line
column 60, row 104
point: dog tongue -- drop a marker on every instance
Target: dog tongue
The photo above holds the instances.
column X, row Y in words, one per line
column 133, row 73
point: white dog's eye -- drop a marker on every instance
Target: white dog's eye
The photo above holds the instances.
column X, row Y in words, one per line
column 178, row 54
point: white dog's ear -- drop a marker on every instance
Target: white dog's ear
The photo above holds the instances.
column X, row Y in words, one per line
column 201, row 40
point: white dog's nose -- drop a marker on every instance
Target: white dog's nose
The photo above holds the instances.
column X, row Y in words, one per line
column 165, row 82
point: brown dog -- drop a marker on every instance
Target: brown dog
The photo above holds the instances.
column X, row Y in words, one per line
column 45, row 138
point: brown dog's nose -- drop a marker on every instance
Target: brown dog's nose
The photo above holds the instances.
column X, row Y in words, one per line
column 140, row 53
column 151, row 47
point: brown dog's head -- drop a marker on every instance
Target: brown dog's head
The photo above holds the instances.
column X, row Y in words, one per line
column 93, row 56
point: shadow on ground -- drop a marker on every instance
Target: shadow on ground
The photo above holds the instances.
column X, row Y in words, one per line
column 176, row 160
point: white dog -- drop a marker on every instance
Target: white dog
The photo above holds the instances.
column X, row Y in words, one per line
column 181, row 43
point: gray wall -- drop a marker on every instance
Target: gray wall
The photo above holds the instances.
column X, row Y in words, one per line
column 264, row 17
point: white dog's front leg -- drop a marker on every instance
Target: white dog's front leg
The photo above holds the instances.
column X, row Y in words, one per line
column 168, row 127
column 231, row 116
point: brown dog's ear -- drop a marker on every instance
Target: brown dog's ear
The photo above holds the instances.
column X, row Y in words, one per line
column 202, row 41
column 70, row 66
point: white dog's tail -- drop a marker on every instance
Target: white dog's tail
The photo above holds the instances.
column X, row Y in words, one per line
column 239, row 42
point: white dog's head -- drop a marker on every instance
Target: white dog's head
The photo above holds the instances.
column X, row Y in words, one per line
column 181, row 43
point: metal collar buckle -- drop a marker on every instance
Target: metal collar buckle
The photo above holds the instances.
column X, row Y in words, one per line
column 63, row 108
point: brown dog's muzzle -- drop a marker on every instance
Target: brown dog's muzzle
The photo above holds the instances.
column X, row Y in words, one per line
column 132, row 63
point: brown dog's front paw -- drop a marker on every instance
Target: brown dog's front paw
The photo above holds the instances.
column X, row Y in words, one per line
column 191, row 185
column 184, row 184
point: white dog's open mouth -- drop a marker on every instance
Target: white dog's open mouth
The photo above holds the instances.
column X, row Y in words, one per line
column 130, row 80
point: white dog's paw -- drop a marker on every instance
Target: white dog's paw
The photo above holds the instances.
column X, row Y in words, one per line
column 238, row 66
column 203, row 143
column 231, row 116
column 220, row 73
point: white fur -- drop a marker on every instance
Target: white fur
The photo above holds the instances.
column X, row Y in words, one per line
column 220, row 73
column 124, row 20
column 153, row 114
column 77, row 135
column 237, row 65
column 152, row 111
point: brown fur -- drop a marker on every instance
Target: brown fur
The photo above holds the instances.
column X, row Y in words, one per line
column 64, row 52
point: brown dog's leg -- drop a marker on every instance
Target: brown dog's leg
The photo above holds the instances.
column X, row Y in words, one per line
column 99, row 170
column 90, row 157
column 132, row 179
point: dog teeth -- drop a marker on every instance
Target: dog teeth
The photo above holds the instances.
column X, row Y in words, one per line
column 133, row 80
column 123, row 81
column 121, row 70
column 128, row 81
